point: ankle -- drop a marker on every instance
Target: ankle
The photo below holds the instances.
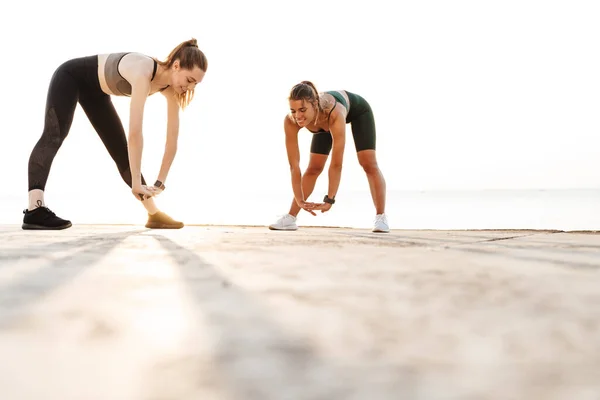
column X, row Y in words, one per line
column 36, row 199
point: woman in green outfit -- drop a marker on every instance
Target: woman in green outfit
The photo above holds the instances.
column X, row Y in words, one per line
column 325, row 115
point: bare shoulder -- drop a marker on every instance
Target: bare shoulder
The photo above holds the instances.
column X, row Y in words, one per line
column 328, row 104
column 289, row 125
column 327, row 101
column 134, row 66
column 339, row 113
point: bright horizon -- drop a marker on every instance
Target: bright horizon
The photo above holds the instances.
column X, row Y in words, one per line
column 467, row 95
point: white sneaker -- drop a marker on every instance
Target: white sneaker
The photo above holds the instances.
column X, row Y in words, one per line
column 381, row 224
column 286, row 223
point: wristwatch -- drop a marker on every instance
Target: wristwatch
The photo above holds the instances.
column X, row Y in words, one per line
column 159, row 185
column 329, row 200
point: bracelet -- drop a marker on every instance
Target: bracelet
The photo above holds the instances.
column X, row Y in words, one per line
column 159, row 185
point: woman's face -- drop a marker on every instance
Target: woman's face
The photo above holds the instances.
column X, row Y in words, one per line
column 302, row 111
column 183, row 80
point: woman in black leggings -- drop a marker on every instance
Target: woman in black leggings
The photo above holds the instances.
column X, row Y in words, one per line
column 91, row 81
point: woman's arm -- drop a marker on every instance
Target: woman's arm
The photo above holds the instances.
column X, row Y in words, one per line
column 138, row 73
column 293, row 154
column 135, row 139
column 337, row 128
column 172, row 134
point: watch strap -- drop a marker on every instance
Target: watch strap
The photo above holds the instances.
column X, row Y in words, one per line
column 159, row 185
column 329, row 200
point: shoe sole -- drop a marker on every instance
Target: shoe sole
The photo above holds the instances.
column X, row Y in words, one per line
column 163, row 226
column 34, row 227
column 282, row 229
column 381, row 231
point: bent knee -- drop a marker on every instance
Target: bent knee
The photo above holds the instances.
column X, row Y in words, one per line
column 370, row 166
column 314, row 170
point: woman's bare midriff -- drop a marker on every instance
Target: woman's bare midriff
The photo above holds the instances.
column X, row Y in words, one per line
column 101, row 63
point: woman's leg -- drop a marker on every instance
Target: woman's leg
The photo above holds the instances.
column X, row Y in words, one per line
column 364, row 134
column 61, row 100
column 377, row 186
column 319, row 152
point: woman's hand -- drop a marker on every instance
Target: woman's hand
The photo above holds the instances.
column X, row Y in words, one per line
column 324, row 207
column 307, row 206
column 142, row 192
column 157, row 188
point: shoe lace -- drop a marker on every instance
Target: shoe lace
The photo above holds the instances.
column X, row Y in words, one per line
column 49, row 211
column 39, row 205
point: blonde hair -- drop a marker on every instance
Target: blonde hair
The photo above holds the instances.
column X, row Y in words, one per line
column 189, row 56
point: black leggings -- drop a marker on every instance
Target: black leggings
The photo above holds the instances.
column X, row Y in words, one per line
column 73, row 81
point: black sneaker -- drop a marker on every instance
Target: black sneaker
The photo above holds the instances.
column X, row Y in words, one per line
column 160, row 220
column 42, row 218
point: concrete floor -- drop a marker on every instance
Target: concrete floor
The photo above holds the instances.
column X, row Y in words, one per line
column 122, row 312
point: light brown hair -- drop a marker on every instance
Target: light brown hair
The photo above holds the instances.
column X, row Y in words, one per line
column 189, row 56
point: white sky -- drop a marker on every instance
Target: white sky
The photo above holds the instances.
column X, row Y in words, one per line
column 466, row 94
